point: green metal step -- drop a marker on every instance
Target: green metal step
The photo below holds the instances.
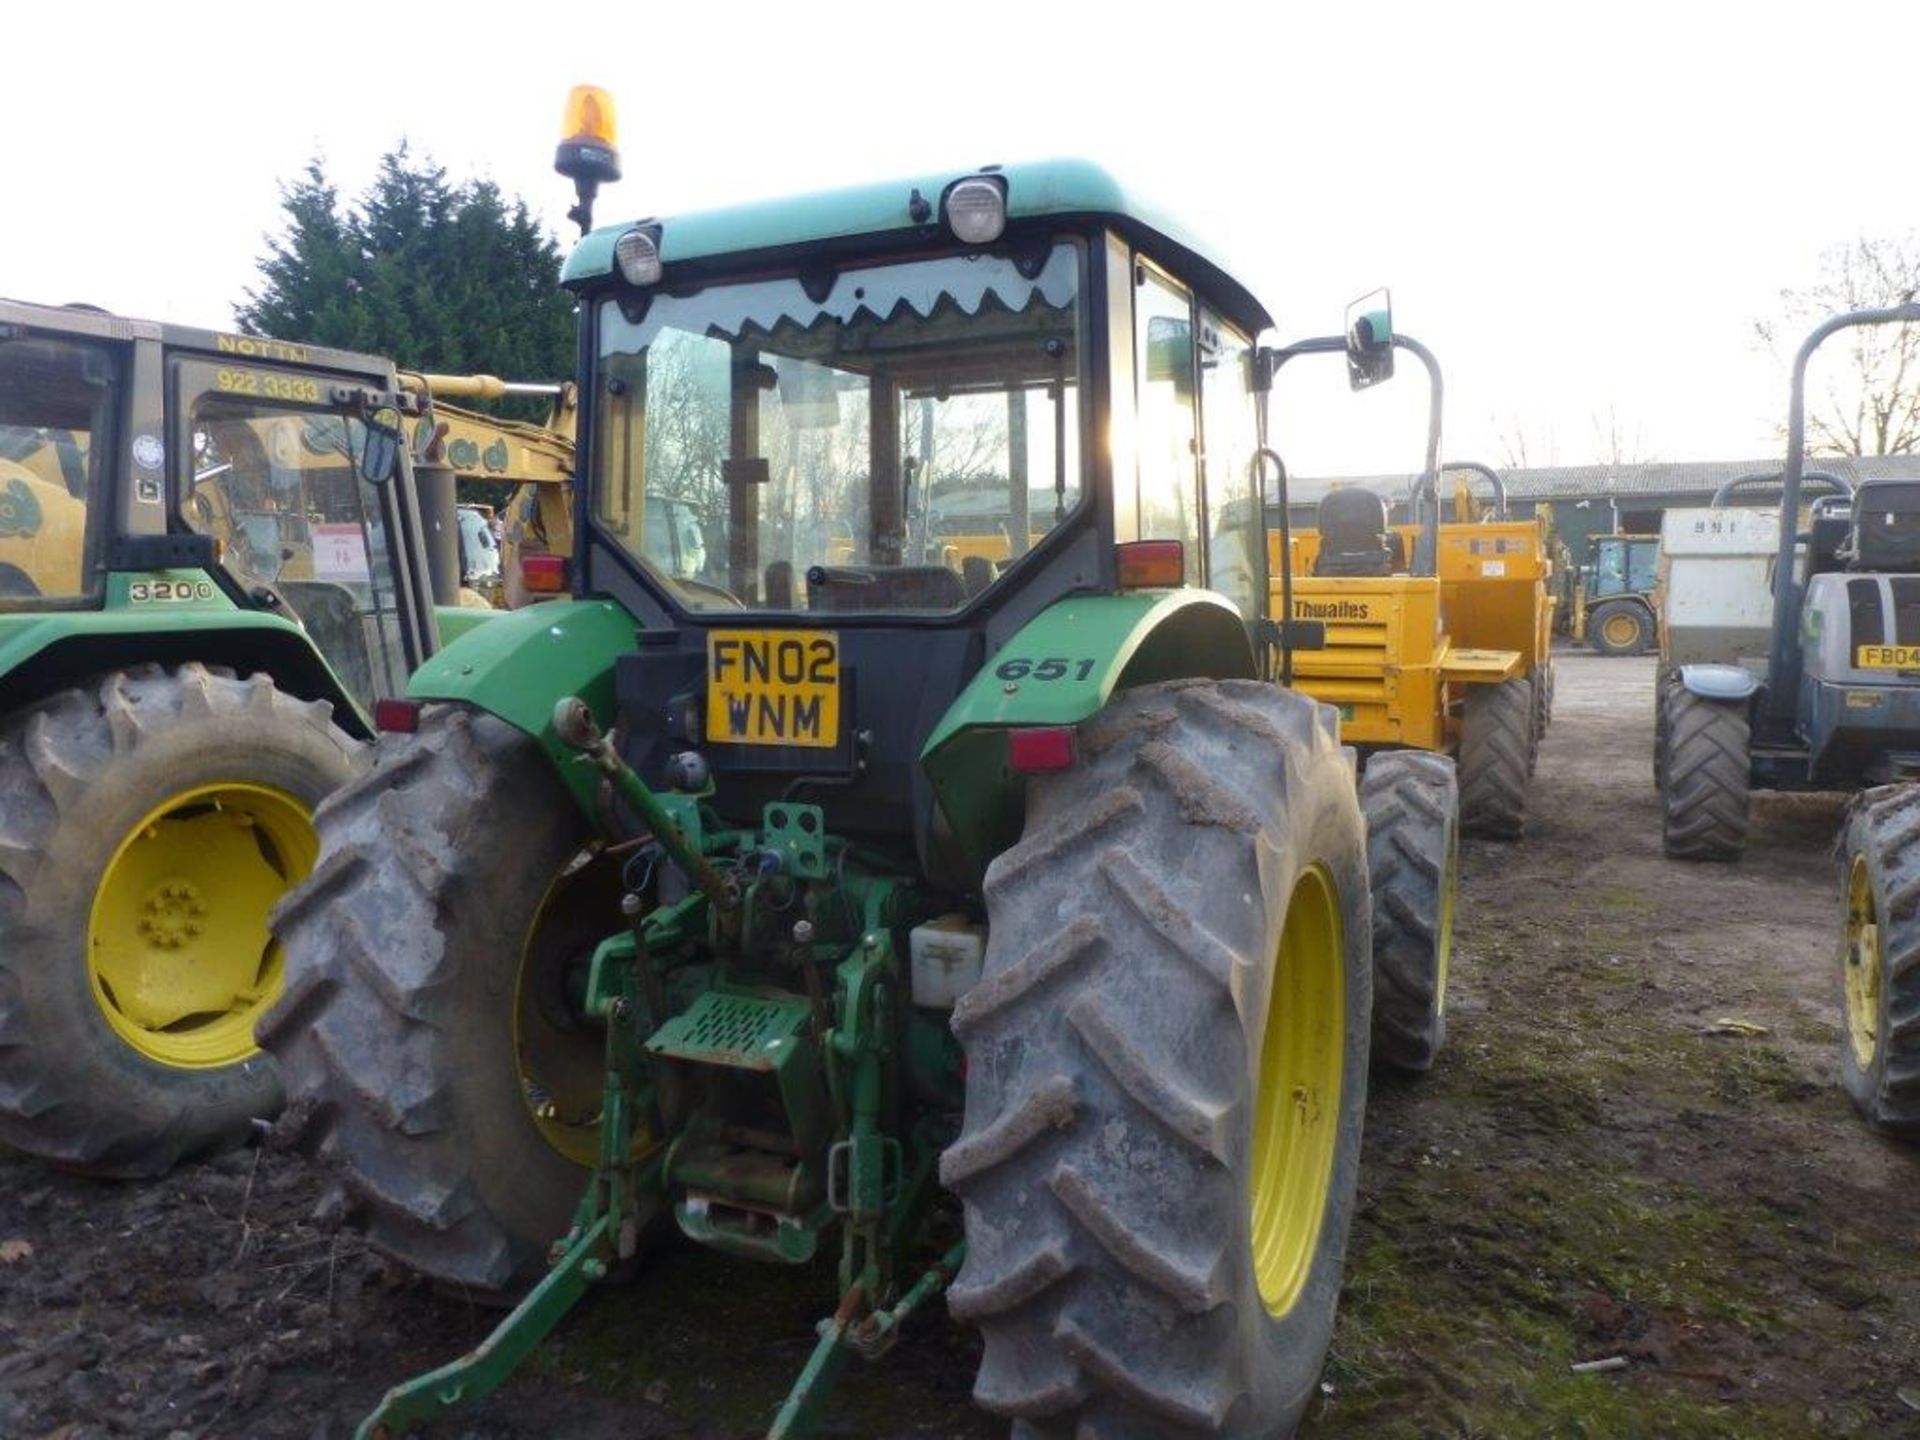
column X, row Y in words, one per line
column 740, row 1032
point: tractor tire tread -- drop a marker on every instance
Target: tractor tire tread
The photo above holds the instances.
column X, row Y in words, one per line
column 58, row 758
column 1705, row 787
column 1411, row 803
column 1496, row 759
column 1108, row 1308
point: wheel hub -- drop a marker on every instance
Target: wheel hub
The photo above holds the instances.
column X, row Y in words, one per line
column 172, row 915
column 179, row 954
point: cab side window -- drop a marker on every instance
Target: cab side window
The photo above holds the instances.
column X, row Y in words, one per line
column 1168, row 433
column 56, row 407
column 1229, row 418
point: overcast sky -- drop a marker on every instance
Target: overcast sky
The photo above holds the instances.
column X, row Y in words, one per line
column 1582, row 210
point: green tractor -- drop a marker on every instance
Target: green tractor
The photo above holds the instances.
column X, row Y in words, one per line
column 771, row 904
column 207, row 584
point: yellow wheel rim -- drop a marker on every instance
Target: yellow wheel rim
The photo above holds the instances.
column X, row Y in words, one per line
column 1864, row 975
column 179, row 956
column 1296, row 1114
column 561, row 1059
column 1620, row 630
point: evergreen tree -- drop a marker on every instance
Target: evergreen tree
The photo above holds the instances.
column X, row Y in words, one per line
column 436, row 275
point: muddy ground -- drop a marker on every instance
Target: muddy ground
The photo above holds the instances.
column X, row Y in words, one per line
column 1591, row 1172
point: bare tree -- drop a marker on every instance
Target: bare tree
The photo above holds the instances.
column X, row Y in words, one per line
column 1869, row 402
column 1523, row 447
column 1614, row 443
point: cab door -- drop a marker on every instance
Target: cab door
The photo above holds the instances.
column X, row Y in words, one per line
column 276, row 478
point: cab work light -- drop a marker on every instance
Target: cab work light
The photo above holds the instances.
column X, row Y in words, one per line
column 977, row 211
column 1151, row 564
column 543, row 574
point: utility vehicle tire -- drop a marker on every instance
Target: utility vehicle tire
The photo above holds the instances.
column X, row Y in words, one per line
column 1620, row 627
column 1704, row 784
column 1496, row 759
column 402, row 1029
column 1662, row 710
column 1880, row 958
column 149, row 820
column 1167, row 1069
column 1542, row 703
column 1411, row 801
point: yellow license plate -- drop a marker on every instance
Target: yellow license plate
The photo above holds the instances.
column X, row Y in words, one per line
column 773, row 687
column 1888, row 657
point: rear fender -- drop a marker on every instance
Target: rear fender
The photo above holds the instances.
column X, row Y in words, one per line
column 1720, row 682
column 44, row 652
column 1060, row 669
column 519, row 664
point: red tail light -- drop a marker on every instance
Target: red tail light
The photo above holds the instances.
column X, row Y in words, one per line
column 1033, row 752
column 1151, row 564
column 396, row 717
column 543, row 574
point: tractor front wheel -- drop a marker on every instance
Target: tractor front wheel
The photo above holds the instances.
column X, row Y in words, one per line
column 429, row 1036
column 149, row 822
column 1411, row 801
column 1880, row 959
column 1167, row 1068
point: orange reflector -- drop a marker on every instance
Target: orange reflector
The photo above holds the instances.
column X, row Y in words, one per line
column 1031, row 752
column 590, row 117
column 1151, row 564
column 396, row 717
column 544, row 574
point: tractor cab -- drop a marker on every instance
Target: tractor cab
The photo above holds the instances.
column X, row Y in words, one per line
column 860, row 427
column 237, row 487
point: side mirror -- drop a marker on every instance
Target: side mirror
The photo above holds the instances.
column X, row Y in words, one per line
column 1370, row 340
column 380, row 454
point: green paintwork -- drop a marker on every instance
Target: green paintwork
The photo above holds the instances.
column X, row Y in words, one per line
column 1130, row 639
column 823, row 1071
column 454, row 621
column 26, row 634
column 517, row 665
column 483, row 1369
column 1035, row 190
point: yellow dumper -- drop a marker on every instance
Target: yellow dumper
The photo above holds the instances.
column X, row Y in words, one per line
column 1436, row 636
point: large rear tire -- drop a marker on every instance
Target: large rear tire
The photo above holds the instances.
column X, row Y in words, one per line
column 431, row 1059
column 1704, row 776
column 149, row 822
column 1880, row 958
column 1496, row 759
column 1621, row 627
column 1167, row 1062
column 1411, row 801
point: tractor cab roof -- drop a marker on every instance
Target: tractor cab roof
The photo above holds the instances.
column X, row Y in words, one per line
column 908, row 209
column 91, row 322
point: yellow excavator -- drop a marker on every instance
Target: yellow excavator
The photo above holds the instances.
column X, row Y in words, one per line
column 536, row 458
